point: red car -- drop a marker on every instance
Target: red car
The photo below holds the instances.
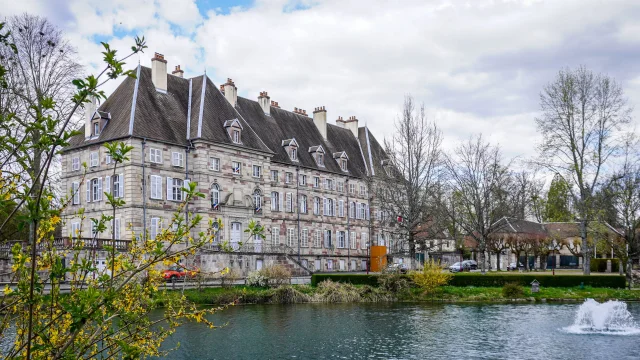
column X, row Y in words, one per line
column 176, row 273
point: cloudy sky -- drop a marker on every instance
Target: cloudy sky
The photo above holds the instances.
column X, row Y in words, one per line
column 478, row 65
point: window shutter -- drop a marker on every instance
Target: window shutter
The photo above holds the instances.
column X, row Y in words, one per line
column 280, row 198
column 121, row 185
column 99, row 189
column 107, row 184
column 335, row 208
column 367, row 207
column 185, row 185
column 169, row 188
column 88, row 185
column 324, row 206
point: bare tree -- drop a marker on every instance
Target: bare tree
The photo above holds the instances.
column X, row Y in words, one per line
column 43, row 68
column 626, row 202
column 581, row 112
column 477, row 178
column 412, row 173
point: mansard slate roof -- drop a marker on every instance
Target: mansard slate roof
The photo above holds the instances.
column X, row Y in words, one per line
column 373, row 151
column 513, row 225
column 163, row 117
column 282, row 125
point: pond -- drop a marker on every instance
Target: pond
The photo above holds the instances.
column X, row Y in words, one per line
column 415, row 331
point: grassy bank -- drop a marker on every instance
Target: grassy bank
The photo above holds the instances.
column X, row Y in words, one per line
column 341, row 292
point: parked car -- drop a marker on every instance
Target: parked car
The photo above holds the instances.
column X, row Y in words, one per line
column 513, row 266
column 459, row 266
column 396, row 268
column 471, row 264
column 175, row 273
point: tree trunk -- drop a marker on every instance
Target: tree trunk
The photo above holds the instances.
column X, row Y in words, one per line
column 526, row 261
column 629, row 277
column 584, row 247
column 498, row 260
column 412, row 250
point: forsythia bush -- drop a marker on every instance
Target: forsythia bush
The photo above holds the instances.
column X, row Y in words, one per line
column 431, row 277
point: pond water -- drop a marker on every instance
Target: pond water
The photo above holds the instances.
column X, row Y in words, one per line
column 412, row 331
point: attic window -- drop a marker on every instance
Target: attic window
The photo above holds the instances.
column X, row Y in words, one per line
column 96, row 128
column 386, row 165
column 318, row 154
column 234, row 129
column 291, row 147
column 342, row 159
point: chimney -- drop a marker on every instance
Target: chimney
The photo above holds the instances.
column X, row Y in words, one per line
column 340, row 122
column 320, row 120
column 265, row 102
column 231, row 92
column 352, row 124
column 178, row 72
column 275, row 104
column 159, row 72
column 91, row 108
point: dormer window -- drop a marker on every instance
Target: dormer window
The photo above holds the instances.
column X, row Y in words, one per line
column 291, row 147
column 317, row 152
column 342, row 159
column 234, row 129
column 96, row 128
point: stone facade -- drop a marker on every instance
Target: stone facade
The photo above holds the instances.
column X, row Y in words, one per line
column 332, row 234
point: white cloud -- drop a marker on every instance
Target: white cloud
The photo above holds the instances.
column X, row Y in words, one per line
column 478, row 66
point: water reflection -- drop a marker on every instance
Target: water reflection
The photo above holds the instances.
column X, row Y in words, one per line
column 399, row 331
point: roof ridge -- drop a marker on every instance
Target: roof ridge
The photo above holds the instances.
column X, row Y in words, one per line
column 133, row 102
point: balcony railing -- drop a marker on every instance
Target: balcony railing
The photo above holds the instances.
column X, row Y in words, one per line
column 249, row 248
column 66, row 243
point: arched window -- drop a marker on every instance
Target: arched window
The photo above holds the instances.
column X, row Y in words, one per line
column 215, row 197
column 257, row 201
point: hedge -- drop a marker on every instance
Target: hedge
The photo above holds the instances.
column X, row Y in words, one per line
column 492, row 280
column 600, row 265
column 610, row 281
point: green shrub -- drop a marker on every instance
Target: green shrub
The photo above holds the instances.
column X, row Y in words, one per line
column 431, row 277
column 499, row 280
column 600, row 265
column 512, row 291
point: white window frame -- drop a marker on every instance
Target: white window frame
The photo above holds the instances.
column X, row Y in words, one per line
column 174, row 189
column 257, row 171
column 236, row 167
column 116, row 229
column 177, row 159
column 352, row 188
column 341, row 240
column 155, row 155
column 96, row 189
column 215, row 195
column 275, row 201
column 289, row 202
column 75, row 163
column 303, row 204
column 275, row 236
column 341, row 208
column 363, row 190
column 117, row 186
column 274, row 175
column 294, row 154
column 288, row 178
column 316, row 206
column 75, row 193
column 320, row 159
column 214, row 163
column 340, row 186
column 75, row 229
column 156, row 187
column 235, row 136
column 304, row 238
column 364, row 243
column 303, row 180
column 353, row 240
column 291, row 237
column 94, row 159
column 343, row 164
column 317, row 241
column 154, row 231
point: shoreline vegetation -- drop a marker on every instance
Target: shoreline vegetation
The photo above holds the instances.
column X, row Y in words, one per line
column 335, row 292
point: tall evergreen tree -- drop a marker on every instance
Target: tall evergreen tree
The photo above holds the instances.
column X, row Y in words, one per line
column 556, row 207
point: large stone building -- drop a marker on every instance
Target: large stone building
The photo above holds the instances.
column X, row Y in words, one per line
column 305, row 180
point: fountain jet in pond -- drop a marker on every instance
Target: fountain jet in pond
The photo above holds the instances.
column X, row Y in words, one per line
column 611, row 317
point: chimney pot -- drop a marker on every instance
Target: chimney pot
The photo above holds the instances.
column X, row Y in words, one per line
column 231, row 92
column 265, row 103
column 178, row 72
